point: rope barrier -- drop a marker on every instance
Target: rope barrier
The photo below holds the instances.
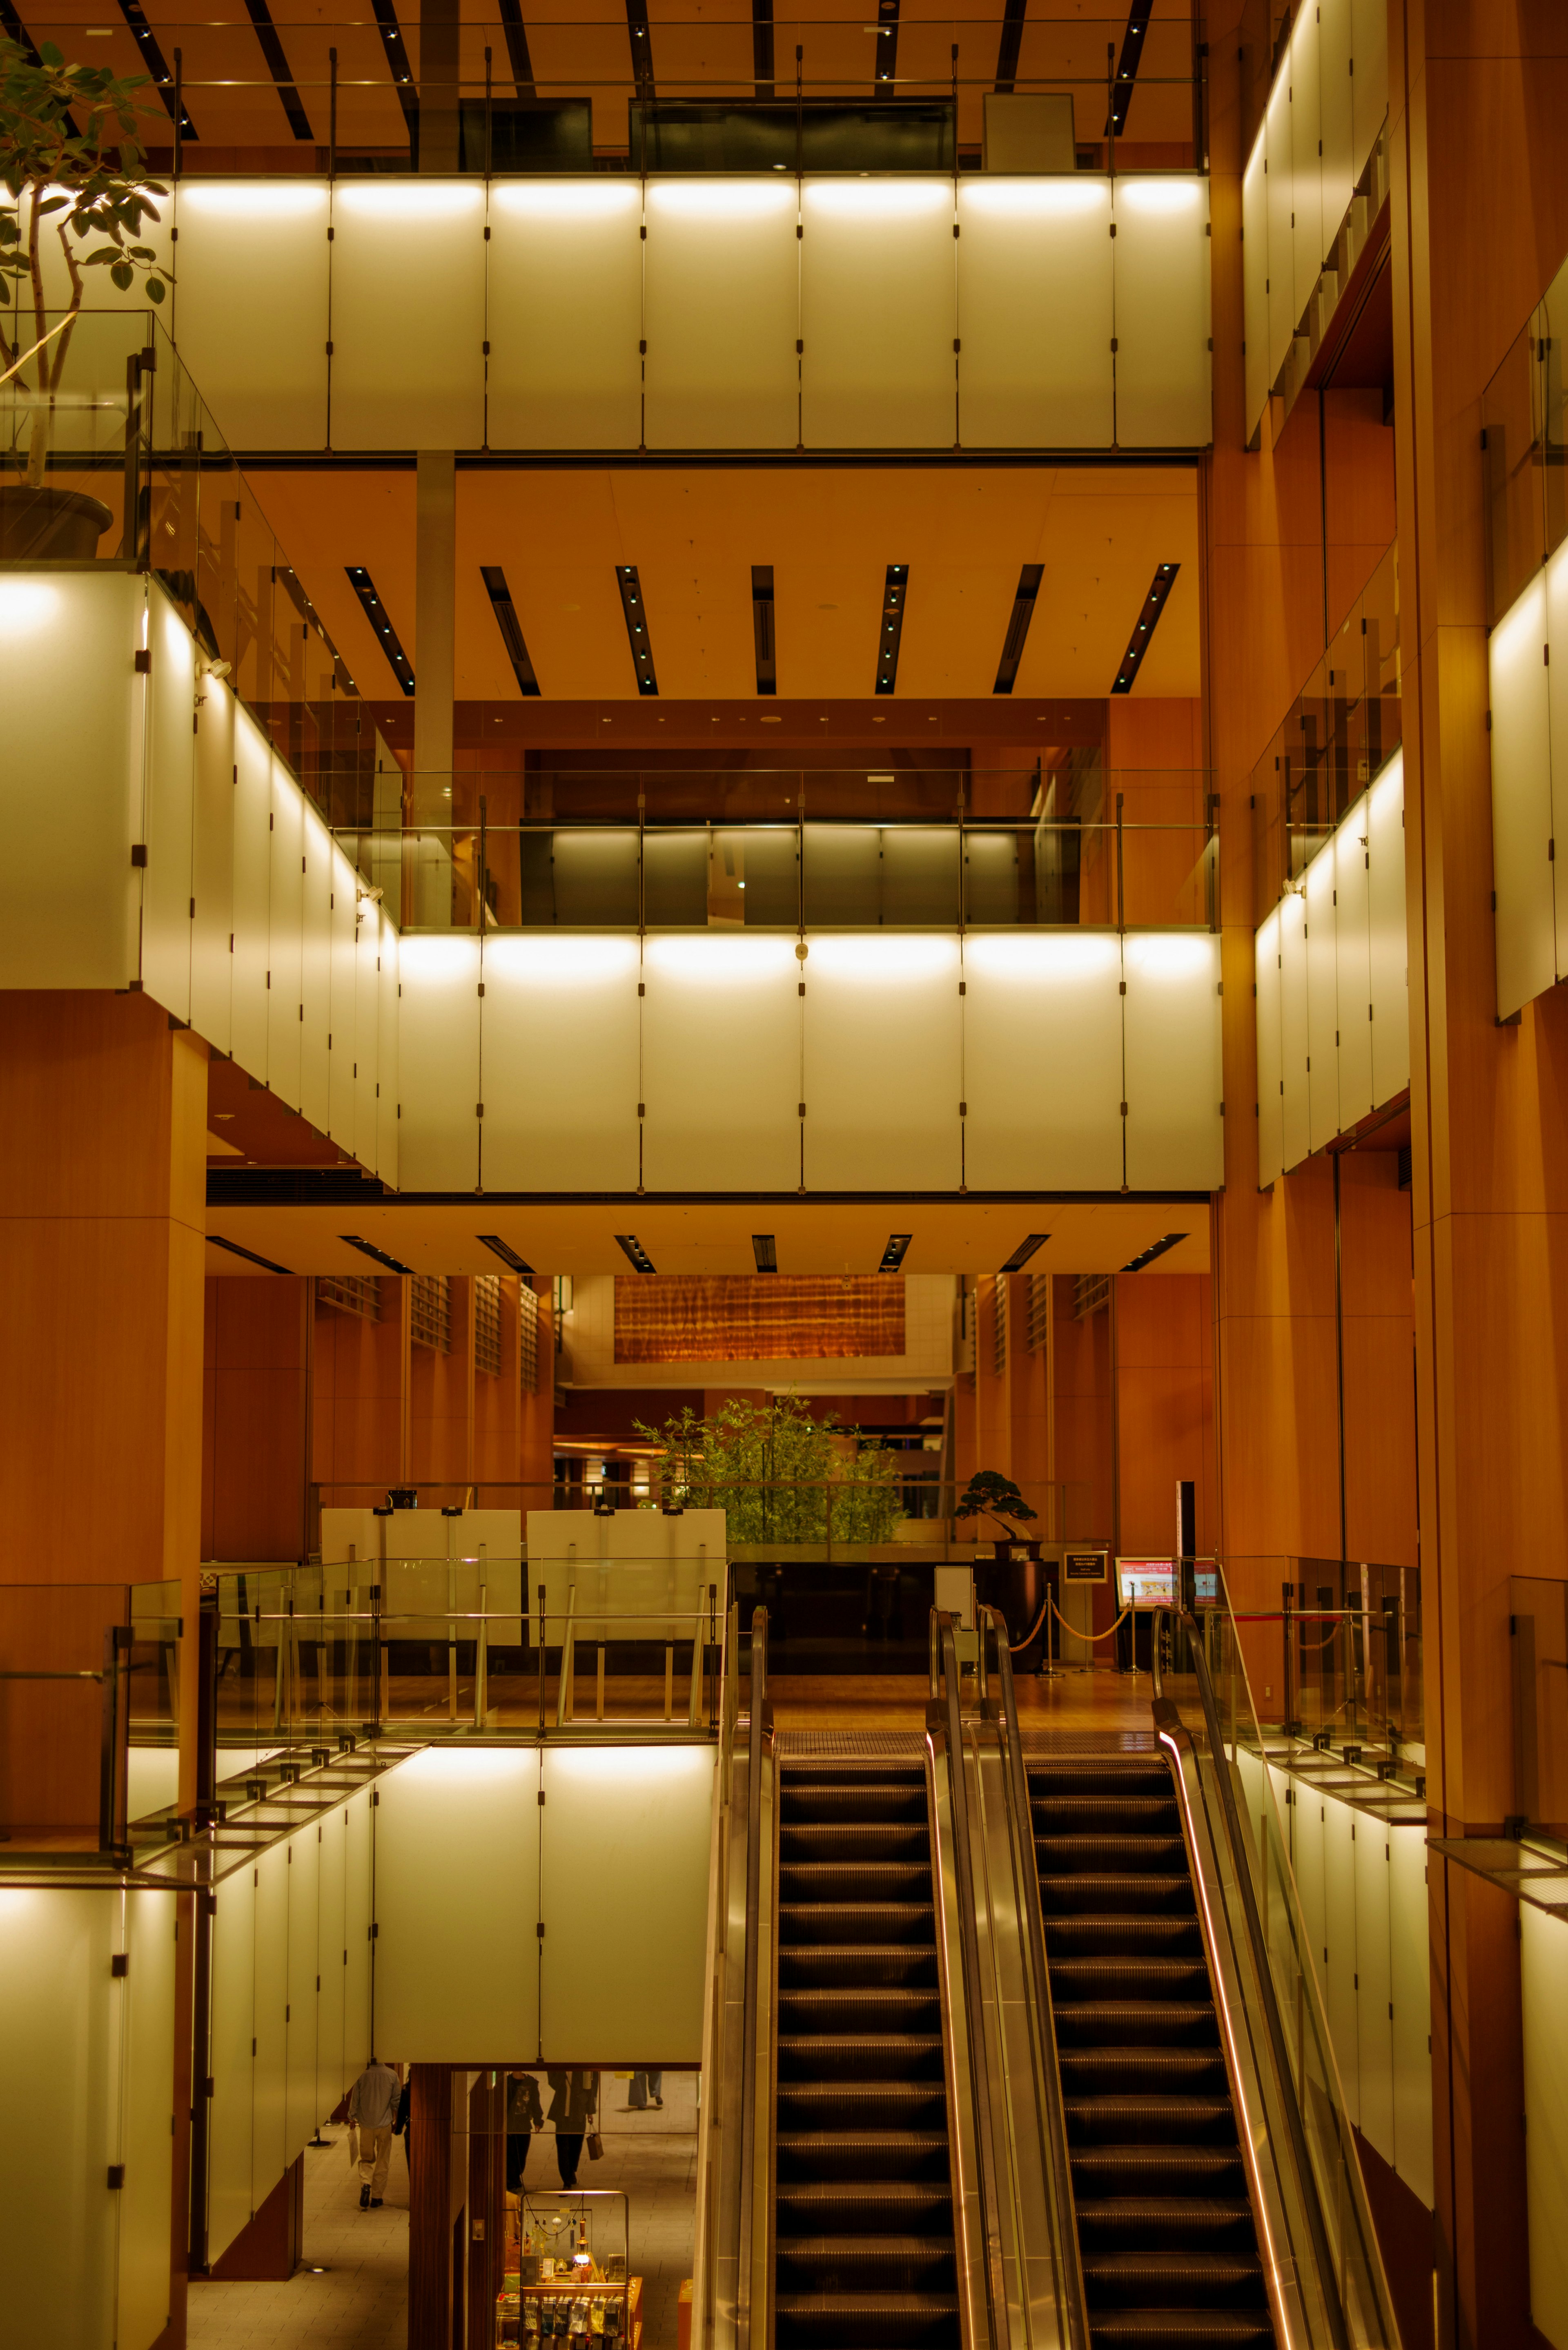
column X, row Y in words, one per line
column 1060, row 1619
column 1016, row 1647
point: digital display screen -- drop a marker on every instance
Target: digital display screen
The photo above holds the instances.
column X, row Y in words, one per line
column 1206, row 1587
column 1145, row 1582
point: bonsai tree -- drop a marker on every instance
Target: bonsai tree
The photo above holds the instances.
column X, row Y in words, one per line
column 991, row 1495
column 85, row 187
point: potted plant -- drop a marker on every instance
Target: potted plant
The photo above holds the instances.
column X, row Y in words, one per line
column 1014, row 1582
column 70, row 168
column 989, row 1495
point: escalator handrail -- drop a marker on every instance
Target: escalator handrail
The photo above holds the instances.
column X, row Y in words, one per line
column 1241, row 1870
column 945, row 1645
column 1022, row 1827
column 749, row 2305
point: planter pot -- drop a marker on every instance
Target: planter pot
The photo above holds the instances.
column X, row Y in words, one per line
column 1016, row 1583
column 47, row 525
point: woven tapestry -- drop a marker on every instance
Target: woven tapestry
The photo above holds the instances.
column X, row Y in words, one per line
column 748, row 1318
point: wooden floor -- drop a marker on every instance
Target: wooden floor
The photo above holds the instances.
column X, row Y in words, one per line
column 1098, row 1699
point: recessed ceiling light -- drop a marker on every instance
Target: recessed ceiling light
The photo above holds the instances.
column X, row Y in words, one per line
column 894, row 1254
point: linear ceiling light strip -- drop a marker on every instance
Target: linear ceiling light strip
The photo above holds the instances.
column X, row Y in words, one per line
column 506, row 1253
column 250, row 1256
column 517, row 33
column 369, row 1248
column 1024, row 1252
column 1018, row 622
column 763, row 628
column 1156, row 1248
column 637, row 636
column 897, row 1248
column 631, row 1248
column 506, row 620
column 380, row 620
column 1143, row 627
column 1127, row 70
column 397, row 50
column 277, row 66
column 765, row 1252
column 894, row 590
column 157, row 66
column 1010, row 43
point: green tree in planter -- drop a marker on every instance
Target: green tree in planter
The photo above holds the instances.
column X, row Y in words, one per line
column 989, row 1494
column 82, row 185
column 778, row 1474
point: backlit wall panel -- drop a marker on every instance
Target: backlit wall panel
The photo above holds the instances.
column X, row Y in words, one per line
column 439, row 1061
column 1256, row 359
column 1322, row 1002
column 315, row 969
column 1544, row 1975
column 212, row 867
column 1036, row 312
column 1388, row 952
column 1271, row 1081
column 1295, row 1034
column 562, row 1068
column 879, row 314
column 722, row 1019
column 285, row 935
column 1043, row 1061
column 1522, row 802
column 252, row 894
column 1164, row 396
column 251, row 306
column 408, row 314
column 167, row 808
column 342, row 1036
column 564, row 313
column 722, row 293
column 1351, row 918
column 1175, row 1087
column 883, row 1062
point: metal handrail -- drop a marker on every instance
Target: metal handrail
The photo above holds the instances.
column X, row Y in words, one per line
column 565, row 1677
column 1279, row 2049
column 1038, row 1977
column 751, row 2336
column 944, row 1644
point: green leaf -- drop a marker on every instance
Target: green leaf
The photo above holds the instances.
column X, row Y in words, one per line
column 123, row 276
column 51, row 56
column 155, row 289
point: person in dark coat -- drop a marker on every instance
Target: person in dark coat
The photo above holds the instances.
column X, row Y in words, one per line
column 573, row 2107
column 525, row 2114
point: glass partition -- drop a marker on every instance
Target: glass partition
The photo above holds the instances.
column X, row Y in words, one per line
column 1337, row 1666
column 1524, row 435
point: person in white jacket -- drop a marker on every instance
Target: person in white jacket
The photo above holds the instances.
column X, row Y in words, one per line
column 372, row 2109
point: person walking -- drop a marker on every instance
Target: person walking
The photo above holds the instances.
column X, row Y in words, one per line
column 372, row 2109
column 646, row 2088
column 525, row 2114
column 573, row 2103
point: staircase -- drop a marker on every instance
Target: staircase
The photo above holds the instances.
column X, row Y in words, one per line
column 1165, row 2228
column 864, row 2240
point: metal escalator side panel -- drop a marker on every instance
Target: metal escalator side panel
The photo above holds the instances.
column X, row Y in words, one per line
column 1300, row 2316
column 968, row 2223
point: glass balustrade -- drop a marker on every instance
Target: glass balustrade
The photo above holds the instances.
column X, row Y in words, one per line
column 1524, row 415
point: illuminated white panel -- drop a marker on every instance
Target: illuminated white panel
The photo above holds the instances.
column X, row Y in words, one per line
column 561, row 1069
column 879, row 1007
column 1543, row 1977
column 1522, row 802
column 1294, row 1135
column 332, row 1930
column 253, row 894
column 1036, row 313
column 720, row 1062
column 457, row 1890
column 1557, row 708
column 269, row 2072
column 147, row 2142
column 250, row 311
column 438, row 1062
column 1369, row 95
column 1306, row 149
column 1336, row 84
column 300, row 2116
column 1271, row 1120
column 1163, row 362
column 366, row 1061
column 408, row 314
column 388, row 1056
column 212, row 867
column 1374, row 2020
column 721, row 296
column 360, row 1913
column 566, row 313
column 1352, row 963
column 1283, row 310
column 1410, row 1966
column 1042, row 1061
column 1322, row 1002
column 1255, row 279
column 1175, row 1133
column 646, row 1814
column 1388, row 954
column 879, row 314
column 1339, row 1944
column 316, row 967
column 71, row 778
column 168, row 808
column 285, row 934
column 343, row 1044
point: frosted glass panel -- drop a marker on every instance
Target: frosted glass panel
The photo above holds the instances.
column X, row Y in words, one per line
column 147, row 2140
column 884, row 1063
column 1339, row 1941
column 269, row 2159
column 1270, row 1117
column 408, row 314
column 1411, row 1992
column 721, row 292
column 1322, row 1003
column 1294, row 1138
column 1373, row 2025
column 332, row 1941
column 1255, row 281
column 285, row 929
column 1306, row 157
column 879, row 314
column 360, row 1915
column 367, row 1063
column 1043, row 1063
column 1175, row 1135
column 253, row 894
column 250, row 306
column 1522, row 802
column 1369, row 94
column 722, row 1063
column 1336, row 84
column 1282, row 310
column 438, row 1062
column 1557, row 704
column 169, row 804
column 342, row 1039
column 1035, row 312
column 73, row 709
column 561, row 1031
column 304, row 1966
column 316, row 966
column 1354, row 963
column 230, row 2109
column 565, row 314
column 1543, row 1976
column 389, row 1056
column 212, row 867
column 1163, row 362
column 1388, row 956
column 645, row 1813
column 457, row 1885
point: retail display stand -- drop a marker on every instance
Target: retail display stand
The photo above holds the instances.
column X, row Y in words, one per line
column 565, row 2296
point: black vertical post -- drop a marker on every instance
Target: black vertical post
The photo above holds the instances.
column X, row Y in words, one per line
column 332, row 115
column 207, row 1711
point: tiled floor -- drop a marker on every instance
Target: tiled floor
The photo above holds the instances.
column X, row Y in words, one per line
column 360, row 2302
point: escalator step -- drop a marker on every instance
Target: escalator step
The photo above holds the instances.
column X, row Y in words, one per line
column 1165, row 2223
column 855, row 1880
column 1101, row 1892
column 889, row 2056
column 854, row 2264
column 1070, row 1854
column 868, row 2318
column 806, row 1840
column 858, row 2207
column 870, row 2156
column 1117, row 1813
column 1086, row 1935
column 1150, row 2121
column 1089, row 1770
column 863, row 1966
column 1121, row 1979
column 858, row 2104
column 1174, row 2280
column 1137, row 2024
column 860, row 2007
column 817, row 1921
column 1181, row 2329
column 1158, row 2072
column 1115, row 2172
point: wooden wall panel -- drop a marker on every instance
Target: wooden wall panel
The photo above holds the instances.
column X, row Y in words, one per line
column 360, row 1398
column 257, row 1373
column 1164, row 1406
column 441, row 1397
column 1379, row 1328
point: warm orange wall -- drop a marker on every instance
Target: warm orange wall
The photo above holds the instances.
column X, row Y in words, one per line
column 254, row 1422
column 360, row 1433
column 1379, row 1360
column 441, row 1397
column 1164, row 1425
column 1084, row 1416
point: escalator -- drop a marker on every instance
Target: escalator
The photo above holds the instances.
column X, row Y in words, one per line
column 1167, row 2238
column 863, row 2222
